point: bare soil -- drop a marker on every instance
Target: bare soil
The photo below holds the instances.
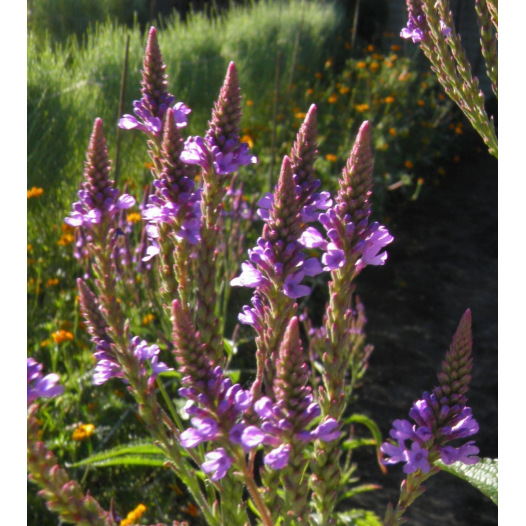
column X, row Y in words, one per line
column 443, row 261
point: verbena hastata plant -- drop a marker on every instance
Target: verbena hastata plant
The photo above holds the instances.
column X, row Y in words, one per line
column 431, row 25
column 270, row 452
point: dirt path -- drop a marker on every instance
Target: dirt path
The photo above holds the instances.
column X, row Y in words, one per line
column 443, row 260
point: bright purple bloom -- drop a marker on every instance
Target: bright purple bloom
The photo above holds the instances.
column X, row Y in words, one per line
column 278, row 458
column 376, row 238
column 413, row 30
column 224, row 159
column 218, row 463
column 417, row 459
column 39, row 386
column 249, row 277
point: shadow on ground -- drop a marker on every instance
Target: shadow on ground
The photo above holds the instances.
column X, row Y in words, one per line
column 443, row 261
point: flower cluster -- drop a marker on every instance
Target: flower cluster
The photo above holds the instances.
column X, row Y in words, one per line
column 151, row 109
column 426, row 435
column 98, row 200
column 275, row 430
column 221, row 150
column 176, row 201
column 108, row 367
column 417, row 26
column 441, row 416
column 39, row 386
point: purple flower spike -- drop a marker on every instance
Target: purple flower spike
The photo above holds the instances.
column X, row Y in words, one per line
column 99, row 200
column 441, row 416
column 39, row 386
column 218, row 463
column 150, row 111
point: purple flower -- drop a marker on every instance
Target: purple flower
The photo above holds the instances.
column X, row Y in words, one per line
column 417, row 459
column 218, row 463
column 396, row 453
column 204, row 429
column 150, row 124
column 412, row 31
column 224, row 159
column 39, row 386
column 278, row 458
column 327, row 431
column 249, row 277
column 375, row 239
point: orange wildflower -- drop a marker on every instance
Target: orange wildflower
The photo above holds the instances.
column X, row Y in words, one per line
column 62, row 336
column 35, row 192
column 344, row 90
column 389, row 99
column 333, row 98
column 361, row 107
column 361, row 65
column 409, row 165
column 82, row 432
column 331, row 157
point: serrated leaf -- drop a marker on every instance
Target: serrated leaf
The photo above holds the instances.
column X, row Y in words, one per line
column 131, row 452
column 484, row 475
column 123, row 460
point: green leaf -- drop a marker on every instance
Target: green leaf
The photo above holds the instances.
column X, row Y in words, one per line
column 484, row 475
column 358, row 518
column 138, row 454
column 123, row 460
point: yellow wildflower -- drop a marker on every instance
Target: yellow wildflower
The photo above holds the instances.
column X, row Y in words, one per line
column 133, row 217
column 374, row 66
column 300, row 115
column 249, row 103
column 409, row 165
column 331, row 157
column 134, row 515
column 248, row 139
column 329, row 62
column 62, row 336
column 361, row 65
column 66, row 239
column 52, row 282
column 148, row 165
column 147, row 319
column 333, row 98
column 361, row 107
column 82, row 432
column 34, row 192
column 344, row 90
column 389, row 99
